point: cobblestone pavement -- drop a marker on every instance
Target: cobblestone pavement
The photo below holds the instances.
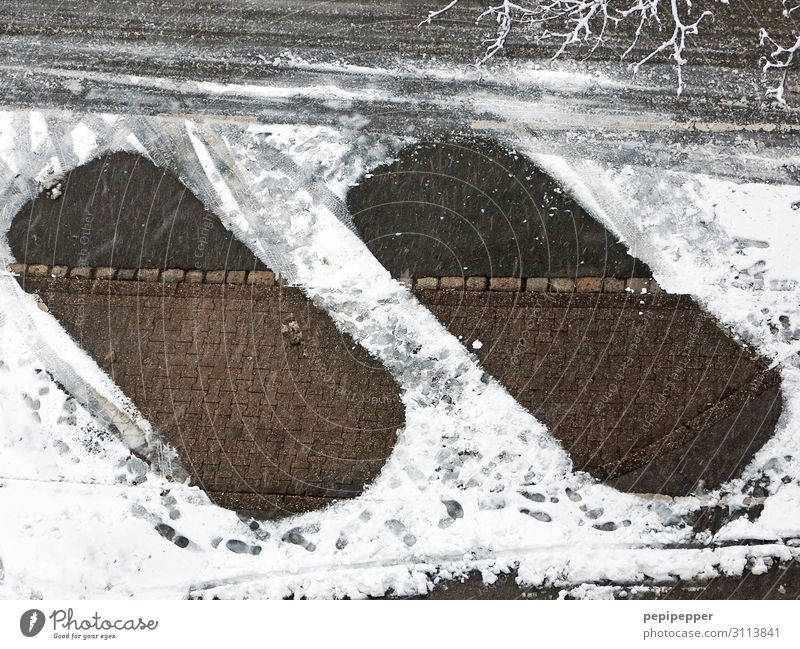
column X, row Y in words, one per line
column 255, row 387
column 271, row 408
column 627, row 382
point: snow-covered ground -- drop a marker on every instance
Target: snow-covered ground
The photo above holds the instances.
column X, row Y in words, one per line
column 475, row 482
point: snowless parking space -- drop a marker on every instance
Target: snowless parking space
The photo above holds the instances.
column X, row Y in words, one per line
column 455, row 494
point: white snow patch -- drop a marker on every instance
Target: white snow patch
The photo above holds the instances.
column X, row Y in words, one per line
column 7, row 140
column 38, row 130
column 84, row 142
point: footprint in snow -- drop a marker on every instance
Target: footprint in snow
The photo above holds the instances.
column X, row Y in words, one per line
column 295, row 537
column 137, row 470
column 454, row 511
column 168, row 532
column 169, row 501
column 532, row 495
column 400, row 531
column 544, row 517
column 254, row 526
column 240, row 547
column 592, row 514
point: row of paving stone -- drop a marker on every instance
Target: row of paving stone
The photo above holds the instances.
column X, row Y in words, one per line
column 171, row 275
column 267, row 277
column 539, row 284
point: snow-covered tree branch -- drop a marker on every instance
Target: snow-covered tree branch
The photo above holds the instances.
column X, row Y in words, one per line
column 781, row 57
column 789, row 7
column 587, row 22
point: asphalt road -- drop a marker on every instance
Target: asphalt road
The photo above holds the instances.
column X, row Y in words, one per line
column 232, row 35
column 239, row 60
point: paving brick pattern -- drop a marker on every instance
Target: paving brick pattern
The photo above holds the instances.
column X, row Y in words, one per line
column 254, row 386
column 615, row 376
column 271, row 407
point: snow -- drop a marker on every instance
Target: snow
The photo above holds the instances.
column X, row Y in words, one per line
column 38, row 130
column 228, row 203
column 746, row 212
column 108, row 523
column 521, row 74
column 7, row 153
column 83, row 141
column 329, row 93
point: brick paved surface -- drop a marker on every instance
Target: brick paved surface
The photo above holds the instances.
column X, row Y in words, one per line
column 121, row 210
column 469, row 206
column 630, row 383
column 254, row 386
column 646, row 392
column 272, row 409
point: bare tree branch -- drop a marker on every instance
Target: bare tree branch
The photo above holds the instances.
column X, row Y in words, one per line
column 789, row 7
column 780, row 58
column 647, row 10
column 576, row 22
column 436, row 14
